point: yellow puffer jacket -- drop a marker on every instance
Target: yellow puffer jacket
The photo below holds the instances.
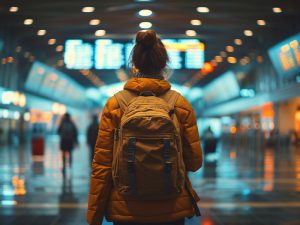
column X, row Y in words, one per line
column 104, row 200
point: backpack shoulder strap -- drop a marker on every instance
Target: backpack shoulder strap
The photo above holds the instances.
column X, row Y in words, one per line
column 171, row 98
column 124, row 97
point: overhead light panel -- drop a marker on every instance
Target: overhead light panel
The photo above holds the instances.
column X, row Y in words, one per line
column 28, row 22
column 51, row 41
column 261, row 22
column 238, row 41
column 248, row 33
column 100, row 33
column 196, row 22
column 203, row 9
column 41, row 32
column 14, row 9
column 88, row 9
column 190, row 33
column 145, row 12
column 277, row 10
column 95, row 22
column 145, row 25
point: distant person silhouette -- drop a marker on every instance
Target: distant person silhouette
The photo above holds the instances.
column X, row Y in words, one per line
column 68, row 139
column 210, row 142
column 92, row 133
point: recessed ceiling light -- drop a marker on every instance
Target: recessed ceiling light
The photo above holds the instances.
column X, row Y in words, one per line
column 277, row 10
column 196, row 22
column 223, row 54
column 248, row 33
column 51, row 41
column 59, row 48
column 100, row 33
column 28, row 21
column 41, row 32
column 231, row 60
column 238, row 41
column 218, row 58
column 88, row 9
column 203, row 9
column 14, row 9
column 95, row 22
column 229, row 48
column 145, row 25
column 190, row 33
column 145, row 12
column 261, row 22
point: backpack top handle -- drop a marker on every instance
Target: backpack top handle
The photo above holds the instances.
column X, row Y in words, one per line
column 147, row 93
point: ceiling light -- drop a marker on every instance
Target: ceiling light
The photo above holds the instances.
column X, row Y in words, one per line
column 261, row 22
column 14, row 9
column 229, row 48
column 51, row 41
column 94, row 22
column 202, row 9
column 248, row 33
column 145, row 25
column 145, row 12
column 18, row 49
column 88, row 9
column 41, row 32
column 100, row 33
column 223, row 54
column 59, row 48
column 218, row 58
column 196, row 22
column 28, row 21
column 231, row 60
column 277, row 10
column 190, row 33
column 238, row 41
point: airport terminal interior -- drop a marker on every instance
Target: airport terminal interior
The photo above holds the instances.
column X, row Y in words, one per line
column 237, row 63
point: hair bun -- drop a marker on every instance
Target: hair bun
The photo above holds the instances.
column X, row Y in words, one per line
column 147, row 39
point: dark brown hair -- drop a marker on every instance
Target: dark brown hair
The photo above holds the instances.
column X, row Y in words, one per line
column 149, row 54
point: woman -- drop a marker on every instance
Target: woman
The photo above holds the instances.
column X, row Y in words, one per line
column 149, row 58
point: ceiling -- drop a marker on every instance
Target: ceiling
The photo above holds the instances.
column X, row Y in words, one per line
column 225, row 22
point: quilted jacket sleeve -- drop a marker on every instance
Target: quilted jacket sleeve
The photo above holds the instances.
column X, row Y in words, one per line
column 192, row 151
column 101, row 180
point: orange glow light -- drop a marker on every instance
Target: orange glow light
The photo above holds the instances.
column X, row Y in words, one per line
column 233, row 130
column 207, row 68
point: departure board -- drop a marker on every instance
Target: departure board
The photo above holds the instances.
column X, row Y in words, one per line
column 175, row 59
column 194, row 57
column 110, row 54
column 285, row 56
column 78, row 55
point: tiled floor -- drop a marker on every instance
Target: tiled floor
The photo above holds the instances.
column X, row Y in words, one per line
column 244, row 186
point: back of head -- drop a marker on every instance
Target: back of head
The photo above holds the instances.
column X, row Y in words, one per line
column 149, row 55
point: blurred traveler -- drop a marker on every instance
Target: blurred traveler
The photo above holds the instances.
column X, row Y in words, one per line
column 68, row 139
column 210, row 142
column 92, row 133
column 147, row 141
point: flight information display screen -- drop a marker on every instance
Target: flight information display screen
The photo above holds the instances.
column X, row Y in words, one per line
column 285, row 56
column 109, row 54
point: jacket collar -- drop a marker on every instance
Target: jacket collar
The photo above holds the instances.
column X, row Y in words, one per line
column 138, row 85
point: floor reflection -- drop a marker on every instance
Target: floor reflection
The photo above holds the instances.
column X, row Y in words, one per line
column 239, row 184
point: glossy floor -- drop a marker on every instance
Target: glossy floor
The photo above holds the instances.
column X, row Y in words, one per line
column 239, row 185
